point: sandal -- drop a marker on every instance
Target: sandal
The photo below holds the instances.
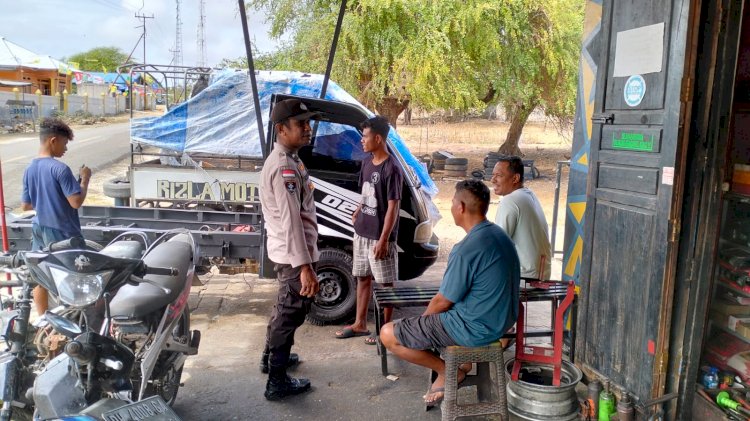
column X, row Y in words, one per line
column 348, row 332
column 436, row 401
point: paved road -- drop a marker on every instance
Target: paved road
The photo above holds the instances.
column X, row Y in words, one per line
column 94, row 146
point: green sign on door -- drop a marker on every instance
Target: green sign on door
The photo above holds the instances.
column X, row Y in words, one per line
column 633, row 142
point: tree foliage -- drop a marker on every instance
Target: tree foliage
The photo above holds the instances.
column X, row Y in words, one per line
column 100, row 59
column 447, row 54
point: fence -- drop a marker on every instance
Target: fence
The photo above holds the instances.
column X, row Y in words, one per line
column 48, row 105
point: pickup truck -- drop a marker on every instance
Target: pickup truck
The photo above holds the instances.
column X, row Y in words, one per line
column 198, row 166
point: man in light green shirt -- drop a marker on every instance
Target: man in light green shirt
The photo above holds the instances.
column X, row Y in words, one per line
column 521, row 216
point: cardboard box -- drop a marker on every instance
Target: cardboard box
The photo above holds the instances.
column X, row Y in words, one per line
column 743, row 329
column 733, row 322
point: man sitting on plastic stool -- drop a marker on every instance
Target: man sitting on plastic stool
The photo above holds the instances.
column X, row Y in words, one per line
column 478, row 298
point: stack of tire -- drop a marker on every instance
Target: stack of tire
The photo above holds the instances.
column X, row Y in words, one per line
column 428, row 162
column 489, row 163
column 438, row 160
column 456, row 167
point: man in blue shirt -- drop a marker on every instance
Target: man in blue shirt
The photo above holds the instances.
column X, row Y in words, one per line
column 478, row 298
column 50, row 188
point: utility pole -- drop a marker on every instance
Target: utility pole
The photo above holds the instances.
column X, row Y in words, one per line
column 202, row 35
column 143, row 25
column 143, row 74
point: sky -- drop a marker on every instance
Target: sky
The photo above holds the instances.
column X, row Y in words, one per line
column 62, row 28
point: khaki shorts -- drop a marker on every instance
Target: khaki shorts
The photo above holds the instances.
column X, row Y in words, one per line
column 384, row 271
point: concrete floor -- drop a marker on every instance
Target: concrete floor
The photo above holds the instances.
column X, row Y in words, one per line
column 223, row 381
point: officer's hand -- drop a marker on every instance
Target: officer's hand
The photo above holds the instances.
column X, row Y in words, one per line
column 381, row 250
column 84, row 173
column 309, row 281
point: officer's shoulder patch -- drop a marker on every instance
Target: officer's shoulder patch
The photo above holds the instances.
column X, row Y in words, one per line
column 291, row 186
column 287, row 172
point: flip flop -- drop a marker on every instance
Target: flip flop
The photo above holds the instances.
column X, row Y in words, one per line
column 371, row 340
column 437, row 401
column 348, row 332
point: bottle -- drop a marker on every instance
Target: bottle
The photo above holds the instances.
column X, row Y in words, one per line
column 606, row 403
column 711, row 378
column 595, row 388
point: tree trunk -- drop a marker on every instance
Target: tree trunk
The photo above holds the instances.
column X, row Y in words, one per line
column 490, row 112
column 519, row 114
column 391, row 108
column 407, row 116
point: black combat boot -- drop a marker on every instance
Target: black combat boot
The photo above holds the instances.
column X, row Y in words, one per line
column 280, row 385
column 293, row 360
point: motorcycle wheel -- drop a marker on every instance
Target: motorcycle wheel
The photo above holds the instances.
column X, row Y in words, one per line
column 166, row 380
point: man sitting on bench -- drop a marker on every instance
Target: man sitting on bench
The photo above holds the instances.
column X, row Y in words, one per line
column 478, row 298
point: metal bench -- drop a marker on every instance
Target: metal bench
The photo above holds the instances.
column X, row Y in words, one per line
column 415, row 296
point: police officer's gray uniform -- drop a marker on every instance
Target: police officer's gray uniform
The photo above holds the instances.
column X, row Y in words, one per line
column 286, row 194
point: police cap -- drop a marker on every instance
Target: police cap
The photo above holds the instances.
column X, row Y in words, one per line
column 291, row 109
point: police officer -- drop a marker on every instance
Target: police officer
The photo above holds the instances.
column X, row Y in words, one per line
column 286, row 194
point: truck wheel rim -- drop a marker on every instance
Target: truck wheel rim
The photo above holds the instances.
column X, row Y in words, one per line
column 330, row 288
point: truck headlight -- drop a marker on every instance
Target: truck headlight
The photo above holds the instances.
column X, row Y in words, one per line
column 423, row 232
column 79, row 289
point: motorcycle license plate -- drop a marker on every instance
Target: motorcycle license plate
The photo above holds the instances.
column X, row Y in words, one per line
column 150, row 409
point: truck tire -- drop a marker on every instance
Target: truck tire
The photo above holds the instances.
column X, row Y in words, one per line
column 117, row 188
column 337, row 299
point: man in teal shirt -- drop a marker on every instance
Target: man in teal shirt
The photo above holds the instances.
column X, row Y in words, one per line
column 478, row 298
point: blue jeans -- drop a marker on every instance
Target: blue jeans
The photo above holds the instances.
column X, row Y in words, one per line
column 42, row 236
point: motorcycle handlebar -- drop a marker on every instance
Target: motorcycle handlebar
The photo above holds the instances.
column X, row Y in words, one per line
column 71, row 243
column 7, row 260
column 11, row 260
column 150, row 270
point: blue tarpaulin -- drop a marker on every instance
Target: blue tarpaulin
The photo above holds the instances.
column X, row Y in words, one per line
column 221, row 120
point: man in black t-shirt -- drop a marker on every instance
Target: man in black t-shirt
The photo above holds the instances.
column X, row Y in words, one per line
column 375, row 224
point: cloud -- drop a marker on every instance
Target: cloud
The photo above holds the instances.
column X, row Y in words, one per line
column 62, row 28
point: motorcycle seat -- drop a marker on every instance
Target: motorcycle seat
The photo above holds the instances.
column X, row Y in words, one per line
column 136, row 301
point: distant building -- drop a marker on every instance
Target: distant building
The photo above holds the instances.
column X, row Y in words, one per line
column 45, row 73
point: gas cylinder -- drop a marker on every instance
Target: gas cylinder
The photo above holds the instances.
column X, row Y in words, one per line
column 606, row 403
column 595, row 388
column 625, row 410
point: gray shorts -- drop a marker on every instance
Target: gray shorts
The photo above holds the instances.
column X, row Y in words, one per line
column 384, row 271
column 422, row 332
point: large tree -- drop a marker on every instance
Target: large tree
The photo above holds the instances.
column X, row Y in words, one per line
column 100, row 59
column 448, row 54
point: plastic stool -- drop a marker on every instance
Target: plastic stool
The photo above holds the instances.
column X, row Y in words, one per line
column 489, row 380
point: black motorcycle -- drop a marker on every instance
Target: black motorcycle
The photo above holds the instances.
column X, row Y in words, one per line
column 116, row 346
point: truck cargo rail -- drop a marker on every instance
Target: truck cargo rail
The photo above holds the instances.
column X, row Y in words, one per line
column 224, row 238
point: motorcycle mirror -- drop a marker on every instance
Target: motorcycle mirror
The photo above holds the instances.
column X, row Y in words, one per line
column 63, row 325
